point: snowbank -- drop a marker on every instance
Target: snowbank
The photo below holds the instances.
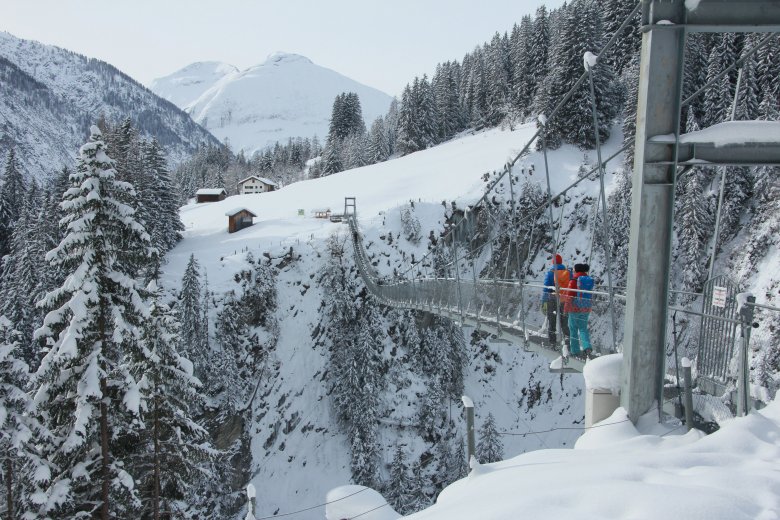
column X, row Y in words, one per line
column 731, row 474
column 604, row 373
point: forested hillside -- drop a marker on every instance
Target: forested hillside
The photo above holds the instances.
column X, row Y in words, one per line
column 52, row 96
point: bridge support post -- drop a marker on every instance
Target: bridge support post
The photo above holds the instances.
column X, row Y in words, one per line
column 468, row 404
column 652, row 206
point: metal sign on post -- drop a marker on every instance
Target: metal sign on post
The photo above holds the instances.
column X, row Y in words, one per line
column 719, row 295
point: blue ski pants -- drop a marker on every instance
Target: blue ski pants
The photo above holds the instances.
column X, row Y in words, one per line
column 578, row 327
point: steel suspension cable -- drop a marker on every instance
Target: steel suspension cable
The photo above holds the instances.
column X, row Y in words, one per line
column 604, row 216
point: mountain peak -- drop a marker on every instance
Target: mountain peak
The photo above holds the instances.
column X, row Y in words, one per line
column 281, row 58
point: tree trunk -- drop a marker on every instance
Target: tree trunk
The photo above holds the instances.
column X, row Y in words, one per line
column 104, row 449
column 156, row 435
column 9, row 475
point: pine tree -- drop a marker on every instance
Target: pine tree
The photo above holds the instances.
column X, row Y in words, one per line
column 190, row 313
column 694, row 221
column 747, row 97
column 18, row 428
column 168, row 227
column 378, row 145
column 489, row 446
column 92, row 328
column 12, row 195
column 175, row 448
column 719, row 97
column 399, row 488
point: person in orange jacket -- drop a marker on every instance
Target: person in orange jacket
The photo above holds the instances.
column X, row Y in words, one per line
column 557, row 278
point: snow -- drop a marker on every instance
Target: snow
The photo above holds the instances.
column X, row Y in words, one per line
column 604, row 373
column 350, row 501
column 731, row 474
column 231, row 212
column 617, row 469
column 316, row 457
column 742, row 300
column 685, row 362
column 286, row 96
column 251, row 492
column 729, row 133
column 467, row 402
column 210, row 191
column 664, row 22
column 589, row 60
column 691, row 5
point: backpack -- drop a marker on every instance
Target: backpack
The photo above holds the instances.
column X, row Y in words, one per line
column 561, row 278
column 584, row 300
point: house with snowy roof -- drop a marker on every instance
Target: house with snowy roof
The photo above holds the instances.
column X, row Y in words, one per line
column 210, row 195
column 255, row 184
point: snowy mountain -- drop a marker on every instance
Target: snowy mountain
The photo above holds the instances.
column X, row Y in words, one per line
column 286, row 96
column 51, row 96
column 185, row 86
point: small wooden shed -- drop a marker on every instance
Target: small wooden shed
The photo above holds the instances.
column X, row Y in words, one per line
column 322, row 213
column 239, row 218
column 210, row 195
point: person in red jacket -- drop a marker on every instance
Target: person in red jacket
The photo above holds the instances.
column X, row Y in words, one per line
column 577, row 306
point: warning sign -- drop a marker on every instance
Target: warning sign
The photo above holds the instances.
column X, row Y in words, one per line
column 719, row 297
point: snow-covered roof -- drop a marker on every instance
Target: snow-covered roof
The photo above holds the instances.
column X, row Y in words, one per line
column 729, row 133
column 238, row 210
column 211, row 191
column 261, row 179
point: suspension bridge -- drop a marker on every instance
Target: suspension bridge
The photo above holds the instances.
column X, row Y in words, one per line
column 461, row 279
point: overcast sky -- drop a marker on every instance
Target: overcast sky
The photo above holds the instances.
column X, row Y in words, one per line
column 383, row 44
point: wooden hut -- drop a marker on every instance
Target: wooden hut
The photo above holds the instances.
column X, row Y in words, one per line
column 210, row 195
column 239, row 218
column 322, row 213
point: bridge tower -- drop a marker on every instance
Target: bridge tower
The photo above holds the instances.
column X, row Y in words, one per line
column 665, row 26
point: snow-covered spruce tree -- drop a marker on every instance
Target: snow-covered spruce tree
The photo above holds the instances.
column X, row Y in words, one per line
column 167, row 226
column 399, row 492
column 580, row 32
column 489, row 445
column 694, row 223
column 87, row 396
column 378, row 146
column 174, row 449
column 234, row 364
column 355, row 367
column 190, row 314
column 619, row 215
column 498, row 75
column 20, row 463
column 12, row 196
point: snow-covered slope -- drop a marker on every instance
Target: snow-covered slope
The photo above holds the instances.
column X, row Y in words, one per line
column 308, row 455
column 185, row 86
column 298, row 452
column 51, row 96
column 286, row 96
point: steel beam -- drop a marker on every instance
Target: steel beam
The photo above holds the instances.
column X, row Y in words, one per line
column 735, row 16
column 652, row 205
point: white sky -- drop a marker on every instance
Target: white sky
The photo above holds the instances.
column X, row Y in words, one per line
column 382, row 44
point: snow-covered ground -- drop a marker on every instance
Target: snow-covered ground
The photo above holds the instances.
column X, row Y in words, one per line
column 617, row 470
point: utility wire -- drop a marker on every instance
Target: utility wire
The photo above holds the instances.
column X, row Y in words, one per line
column 312, row 507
